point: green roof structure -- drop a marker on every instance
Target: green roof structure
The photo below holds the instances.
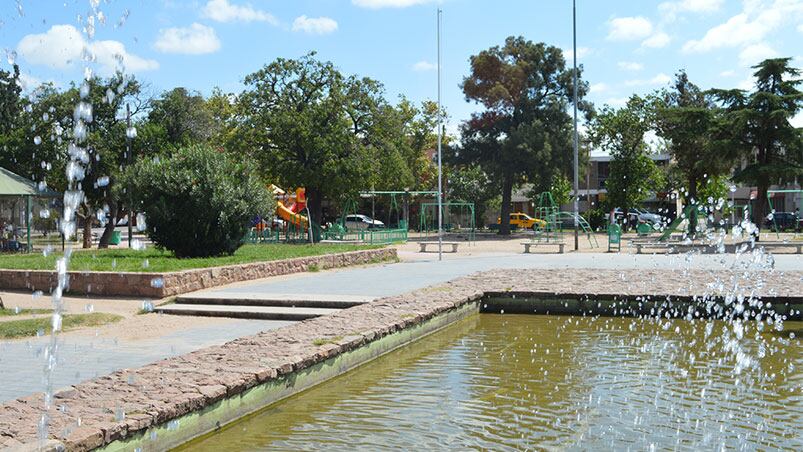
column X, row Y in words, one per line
column 14, row 185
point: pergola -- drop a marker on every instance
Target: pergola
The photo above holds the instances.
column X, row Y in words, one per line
column 14, row 185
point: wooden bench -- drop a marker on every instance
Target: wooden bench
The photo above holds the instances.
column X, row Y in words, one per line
column 527, row 246
column 424, row 246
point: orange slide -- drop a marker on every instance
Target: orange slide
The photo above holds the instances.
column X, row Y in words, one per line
column 288, row 208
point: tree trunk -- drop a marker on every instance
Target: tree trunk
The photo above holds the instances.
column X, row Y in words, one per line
column 761, row 207
column 109, row 229
column 692, row 201
column 88, row 230
column 507, row 194
column 314, row 204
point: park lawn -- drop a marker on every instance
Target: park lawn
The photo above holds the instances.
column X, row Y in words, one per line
column 7, row 312
column 158, row 261
column 31, row 327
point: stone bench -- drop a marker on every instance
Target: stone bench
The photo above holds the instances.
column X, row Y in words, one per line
column 527, row 246
column 424, row 246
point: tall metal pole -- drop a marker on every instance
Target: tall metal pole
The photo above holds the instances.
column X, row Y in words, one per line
column 576, row 158
column 128, row 156
column 440, row 138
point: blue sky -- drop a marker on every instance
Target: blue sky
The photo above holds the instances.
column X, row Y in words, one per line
column 625, row 46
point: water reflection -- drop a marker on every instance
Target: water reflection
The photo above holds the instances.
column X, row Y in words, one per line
column 512, row 382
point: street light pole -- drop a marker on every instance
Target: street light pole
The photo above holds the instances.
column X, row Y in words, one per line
column 440, row 139
column 128, row 156
column 576, row 158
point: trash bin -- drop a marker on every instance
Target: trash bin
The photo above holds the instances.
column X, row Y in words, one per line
column 115, row 240
column 644, row 228
column 614, row 237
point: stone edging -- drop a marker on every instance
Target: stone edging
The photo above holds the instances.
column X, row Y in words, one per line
column 174, row 283
column 232, row 379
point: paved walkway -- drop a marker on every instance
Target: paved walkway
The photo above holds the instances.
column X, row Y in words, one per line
column 80, row 358
column 395, row 279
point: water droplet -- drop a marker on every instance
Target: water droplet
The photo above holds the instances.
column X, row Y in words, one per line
column 11, row 56
column 37, row 140
column 44, row 213
column 157, row 283
column 147, row 306
column 131, row 132
column 103, row 181
column 89, row 308
column 141, row 223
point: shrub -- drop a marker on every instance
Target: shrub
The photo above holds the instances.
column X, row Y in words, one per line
column 198, row 202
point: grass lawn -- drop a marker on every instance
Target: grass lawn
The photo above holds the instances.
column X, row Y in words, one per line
column 6, row 312
column 31, row 327
column 153, row 260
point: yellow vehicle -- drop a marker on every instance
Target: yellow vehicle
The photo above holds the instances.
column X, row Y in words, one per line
column 524, row 221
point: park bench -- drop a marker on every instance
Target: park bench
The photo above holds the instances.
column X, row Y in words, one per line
column 528, row 245
column 797, row 245
column 424, row 246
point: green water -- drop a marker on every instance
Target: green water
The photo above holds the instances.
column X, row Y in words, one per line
column 524, row 382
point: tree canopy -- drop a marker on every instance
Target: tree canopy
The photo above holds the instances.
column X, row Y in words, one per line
column 525, row 131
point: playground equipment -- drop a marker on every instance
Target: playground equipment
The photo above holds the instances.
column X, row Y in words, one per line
column 554, row 218
column 394, row 232
column 428, row 219
column 288, row 207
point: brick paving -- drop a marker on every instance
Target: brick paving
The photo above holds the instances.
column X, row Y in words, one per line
column 164, row 390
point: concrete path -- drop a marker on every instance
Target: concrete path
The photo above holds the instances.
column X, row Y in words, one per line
column 395, row 279
column 81, row 358
column 245, row 312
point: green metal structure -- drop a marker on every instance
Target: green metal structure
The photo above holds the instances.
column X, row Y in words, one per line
column 428, row 218
column 16, row 186
column 550, row 213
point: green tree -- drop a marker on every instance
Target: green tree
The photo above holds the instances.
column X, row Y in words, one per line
column 525, row 129
column 761, row 132
column 309, row 125
column 471, row 184
column 620, row 132
column 185, row 117
column 689, row 123
column 10, row 105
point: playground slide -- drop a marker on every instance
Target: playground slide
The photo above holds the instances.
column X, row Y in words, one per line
column 288, row 215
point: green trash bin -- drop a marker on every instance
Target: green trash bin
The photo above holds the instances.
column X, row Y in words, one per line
column 116, row 237
column 614, row 237
column 644, row 229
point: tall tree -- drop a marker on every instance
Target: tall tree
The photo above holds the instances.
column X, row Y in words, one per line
column 9, row 99
column 525, row 129
column 309, row 125
column 759, row 122
column 689, row 123
column 184, row 116
column 620, row 132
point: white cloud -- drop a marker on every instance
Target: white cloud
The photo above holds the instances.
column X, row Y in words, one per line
column 797, row 121
column 800, row 28
column 424, row 66
column 727, row 73
column 582, row 52
column 63, row 46
column 223, row 11
column 616, row 101
column 630, row 66
column 598, row 88
column 28, row 82
column 196, row 39
column 669, row 10
column 756, row 53
column 660, row 79
column 377, row 4
column 757, row 20
column 314, row 25
column 629, row 28
column 657, row 40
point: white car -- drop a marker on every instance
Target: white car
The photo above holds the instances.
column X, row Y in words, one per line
column 363, row 222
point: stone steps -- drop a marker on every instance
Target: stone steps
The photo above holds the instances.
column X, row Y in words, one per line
column 283, row 300
column 245, row 312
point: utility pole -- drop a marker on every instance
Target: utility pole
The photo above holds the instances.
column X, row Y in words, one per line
column 576, row 158
column 440, row 139
column 130, row 159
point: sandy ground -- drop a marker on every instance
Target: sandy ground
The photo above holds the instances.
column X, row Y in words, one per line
column 134, row 326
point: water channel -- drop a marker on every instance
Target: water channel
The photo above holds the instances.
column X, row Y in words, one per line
column 524, row 382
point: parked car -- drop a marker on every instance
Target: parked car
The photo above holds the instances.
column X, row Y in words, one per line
column 523, row 221
column 359, row 221
column 636, row 215
column 783, row 221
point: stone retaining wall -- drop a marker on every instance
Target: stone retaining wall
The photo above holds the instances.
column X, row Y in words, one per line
column 174, row 283
column 157, row 399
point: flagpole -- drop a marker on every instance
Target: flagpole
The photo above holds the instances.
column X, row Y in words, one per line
column 440, row 139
